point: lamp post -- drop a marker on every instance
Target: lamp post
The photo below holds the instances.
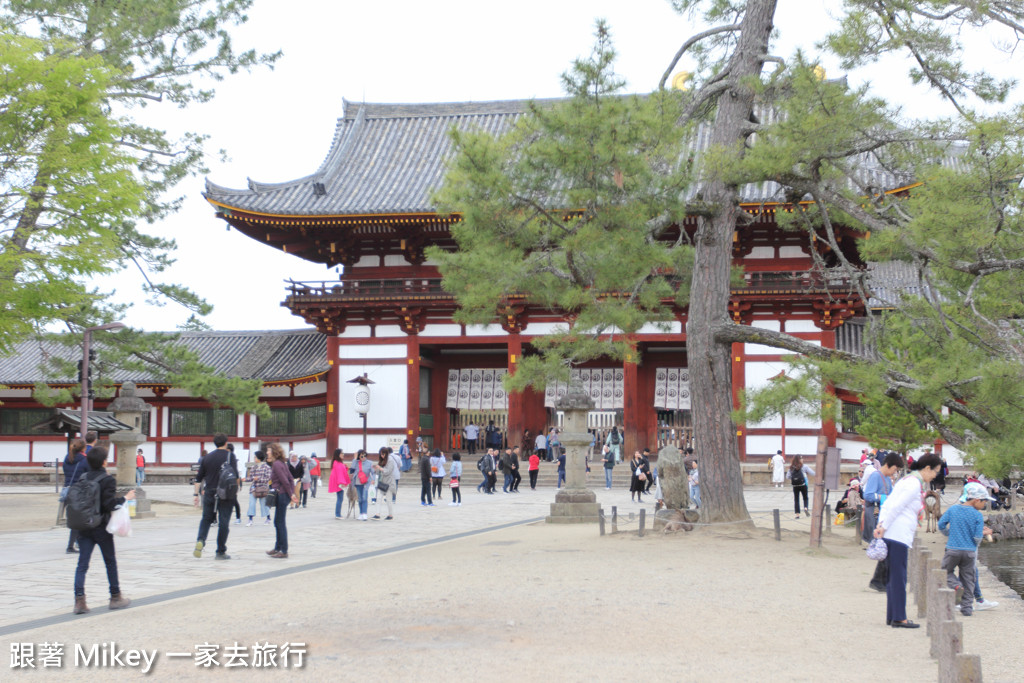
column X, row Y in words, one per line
column 86, row 398
column 362, row 399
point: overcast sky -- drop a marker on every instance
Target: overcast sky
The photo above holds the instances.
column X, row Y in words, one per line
column 277, row 125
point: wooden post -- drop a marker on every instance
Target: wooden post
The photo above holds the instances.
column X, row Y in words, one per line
column 600, row 520
column 968, row 668
column 615, row 519
column 951, row 634
column 778, row 525
column 819, row 491
column 643, row 521
column 942, row 612
column 920, row 594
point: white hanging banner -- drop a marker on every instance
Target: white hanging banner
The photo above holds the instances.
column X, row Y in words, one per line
column 605, row 387
column 476, row 389
column 672, row 389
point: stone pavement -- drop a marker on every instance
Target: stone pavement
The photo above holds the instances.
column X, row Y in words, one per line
column 156, row 562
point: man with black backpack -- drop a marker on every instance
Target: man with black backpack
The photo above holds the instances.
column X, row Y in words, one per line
column 89, row 503
column 219, row 469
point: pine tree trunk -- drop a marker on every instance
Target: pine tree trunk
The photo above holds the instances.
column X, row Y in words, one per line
column 710, row 365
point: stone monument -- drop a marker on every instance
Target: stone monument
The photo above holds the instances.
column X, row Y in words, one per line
column 575, row 503
column 128, row 408
column 675, row 487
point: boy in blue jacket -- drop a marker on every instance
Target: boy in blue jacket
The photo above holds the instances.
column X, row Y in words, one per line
column 965, row 527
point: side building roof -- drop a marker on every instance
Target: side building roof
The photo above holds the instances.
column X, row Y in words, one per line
column 272, row 356
column 390, row 158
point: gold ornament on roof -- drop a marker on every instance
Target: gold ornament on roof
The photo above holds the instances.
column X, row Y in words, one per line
column 681, row 81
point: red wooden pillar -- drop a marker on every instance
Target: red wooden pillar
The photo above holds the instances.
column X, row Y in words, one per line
column 631, row 419
column 333, row 394
column 516, row 418
column 828, row 426
column 412, row 398
column 739, row 380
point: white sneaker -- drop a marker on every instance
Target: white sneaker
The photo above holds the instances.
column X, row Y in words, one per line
column 268, row 521
column 249, row 523
column 982, row 605
column 451, row 505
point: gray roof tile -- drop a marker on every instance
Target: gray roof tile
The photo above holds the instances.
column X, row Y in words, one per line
column 390, row 158
column 267, row 355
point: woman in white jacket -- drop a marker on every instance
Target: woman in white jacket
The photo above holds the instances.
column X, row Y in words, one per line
column 387, row 473
column 897, row 523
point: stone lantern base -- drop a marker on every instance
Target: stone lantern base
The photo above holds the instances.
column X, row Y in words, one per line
column 574, row 507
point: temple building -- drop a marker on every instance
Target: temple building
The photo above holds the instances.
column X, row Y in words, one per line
column 367, row 212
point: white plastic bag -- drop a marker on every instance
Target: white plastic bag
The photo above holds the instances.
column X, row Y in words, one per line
column 120, row 523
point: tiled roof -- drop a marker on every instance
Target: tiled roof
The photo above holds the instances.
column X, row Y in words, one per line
column 390, row 158
column 266, row 355
column 66, row 421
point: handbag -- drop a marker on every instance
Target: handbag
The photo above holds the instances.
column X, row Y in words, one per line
column 877, row 550
column 361, row 476
column 382, row 487
column 454, row 483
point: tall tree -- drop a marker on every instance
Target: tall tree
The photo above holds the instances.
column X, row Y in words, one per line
column 81, row 171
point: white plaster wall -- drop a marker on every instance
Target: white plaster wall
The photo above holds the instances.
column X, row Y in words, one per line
column 16, row 393
column 800, row 422
column 801, row 445
column 850, row 449
column 145, row 392
column 774, row 325
column 496, row 330
column 367, row 262
column 543, row 328
column 763, row 444
column 791, row 252
column 42, row 451
column 311, row 389
column 386, row 331
column 17, row 451
column 762, row 253
column 177, row 393
column 387, row 398
column 430, row 262
column 181, row 453
column 395, row 260
column 361, row 351
column 239, row 425
column 276, row 392
column 441, row 331
column 757, row 375
column 801, row 326
column 309, row 447
column 952, row 456
column 670, row 327
column 154, row 420
column 165, row 420
column 356, row 332
column 350, row 443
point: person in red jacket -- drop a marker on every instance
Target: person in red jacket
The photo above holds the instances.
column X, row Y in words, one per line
column 314, row 473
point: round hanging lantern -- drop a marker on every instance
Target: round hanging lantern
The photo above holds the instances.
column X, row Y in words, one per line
column 362, row 399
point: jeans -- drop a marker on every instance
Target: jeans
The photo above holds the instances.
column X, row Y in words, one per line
column 608, row 477
column 221, row 509
column 533, row 478
column 967, row 562
column 508, row 482
column 516, row 478
column 561, row 478
column 797, row 491
column 361, row 493
column 337, row 505
column 471, row 446
column 695, row 494
column 140, row 475
column 896, row 589
column 456, row 494
column 977, row 583
column 281, row 531
column 425, row 496
column 312, row 485
column 87, row 540
column 264, row 512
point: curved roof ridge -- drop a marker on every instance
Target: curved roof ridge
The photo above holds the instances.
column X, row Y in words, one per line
column 405, row 110
column 343, row 136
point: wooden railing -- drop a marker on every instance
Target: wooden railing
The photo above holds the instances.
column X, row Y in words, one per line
column 404, row 288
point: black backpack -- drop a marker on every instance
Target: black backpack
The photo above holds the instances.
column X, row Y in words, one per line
column 480, row 463
column 82, row 505
column 227, row 481
column 797, row 477
column 615, row 437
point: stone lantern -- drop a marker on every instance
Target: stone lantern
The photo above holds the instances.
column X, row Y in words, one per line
column 575, row 503
column 129, row 408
